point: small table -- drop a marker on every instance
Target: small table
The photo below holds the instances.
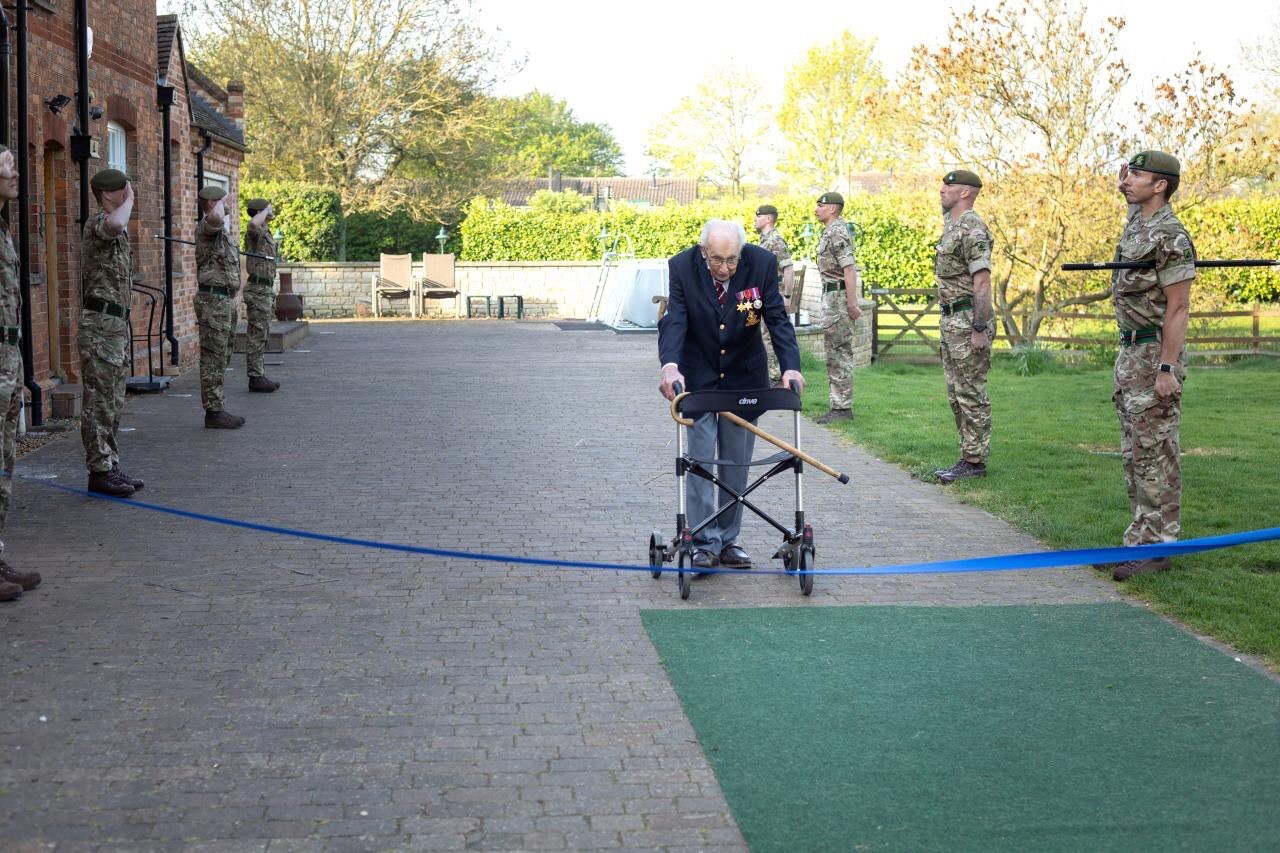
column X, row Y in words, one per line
column 488, row 306
column 519, row 304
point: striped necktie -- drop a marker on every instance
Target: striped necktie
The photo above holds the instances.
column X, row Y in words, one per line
column 721, row 293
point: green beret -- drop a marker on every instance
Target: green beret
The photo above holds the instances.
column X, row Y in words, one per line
column 3, row 148
column 256, row 205
column 766, row 210
column 831, row 198
column 963, row 176
column 1156, row 161
column 109, row 180
column 212, row 193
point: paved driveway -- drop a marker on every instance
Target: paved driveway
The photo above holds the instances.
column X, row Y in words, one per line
column 179, row 684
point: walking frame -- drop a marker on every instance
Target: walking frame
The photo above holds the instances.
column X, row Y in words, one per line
column 741, row 408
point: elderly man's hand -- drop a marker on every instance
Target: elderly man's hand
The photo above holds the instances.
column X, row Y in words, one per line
column 793, row 376
column 670, row 376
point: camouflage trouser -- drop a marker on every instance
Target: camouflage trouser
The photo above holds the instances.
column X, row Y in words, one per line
column 100, row 417
column 231, row 334
column 775, row 370
column 10, row 404
column 259, row 303
column 214, row 318
column 965, row 370
column 837, row 339
column 1149, row 446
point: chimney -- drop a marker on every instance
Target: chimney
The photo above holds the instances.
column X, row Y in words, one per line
column 235, row 102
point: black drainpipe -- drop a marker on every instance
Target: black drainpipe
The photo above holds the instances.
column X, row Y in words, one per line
column 4, row 91
column 80, row 139
column 24, row 226
column 164, row 96
column 208, row 143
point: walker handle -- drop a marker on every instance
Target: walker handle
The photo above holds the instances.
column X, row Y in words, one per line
column 791, row 383
column 677, row 387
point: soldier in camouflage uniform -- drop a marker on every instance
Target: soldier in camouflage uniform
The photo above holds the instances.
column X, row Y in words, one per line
column 259, row 293
column 105, row 335
column 1151, row 307
column 766, row 227
column 962, row 266
column 12, row 582
column 839, row 303
column 218, row 279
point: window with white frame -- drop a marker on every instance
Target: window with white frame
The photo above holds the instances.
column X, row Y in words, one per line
column 216, row 180
column 117, row 147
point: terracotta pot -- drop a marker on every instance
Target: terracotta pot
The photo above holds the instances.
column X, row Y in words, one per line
column 288, row 303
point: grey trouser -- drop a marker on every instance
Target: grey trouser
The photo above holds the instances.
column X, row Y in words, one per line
column 711, row 437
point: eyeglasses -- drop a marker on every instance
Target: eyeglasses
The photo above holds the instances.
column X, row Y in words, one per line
column 715, row 261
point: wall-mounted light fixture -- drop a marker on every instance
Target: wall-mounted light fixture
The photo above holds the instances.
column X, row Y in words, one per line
column 56, row 103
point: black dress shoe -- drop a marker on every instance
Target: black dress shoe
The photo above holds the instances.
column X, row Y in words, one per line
column 703, row 559
column 734, row 557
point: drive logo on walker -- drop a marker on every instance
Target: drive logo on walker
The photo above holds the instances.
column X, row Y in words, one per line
column 748, row 401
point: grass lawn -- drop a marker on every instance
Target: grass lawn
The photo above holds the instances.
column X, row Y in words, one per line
column 1055, row 472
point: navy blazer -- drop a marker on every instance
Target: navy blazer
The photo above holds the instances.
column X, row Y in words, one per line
column 712, row 344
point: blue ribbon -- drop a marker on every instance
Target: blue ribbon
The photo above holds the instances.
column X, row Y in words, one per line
column 1005, row 563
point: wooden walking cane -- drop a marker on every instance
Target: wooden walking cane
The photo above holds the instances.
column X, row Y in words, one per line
column 750, row 427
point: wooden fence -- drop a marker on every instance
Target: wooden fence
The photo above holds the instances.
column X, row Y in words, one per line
column 908, row 331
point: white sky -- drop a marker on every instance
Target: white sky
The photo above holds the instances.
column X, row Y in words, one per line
column 625, row 64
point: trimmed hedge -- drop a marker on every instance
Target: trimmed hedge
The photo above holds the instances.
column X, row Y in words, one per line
column 309, row 216
column 1238, row 228
column 397, row 233
column 895, row 247
column 896, row 235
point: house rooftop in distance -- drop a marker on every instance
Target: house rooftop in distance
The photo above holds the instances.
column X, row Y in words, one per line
column 647, row 190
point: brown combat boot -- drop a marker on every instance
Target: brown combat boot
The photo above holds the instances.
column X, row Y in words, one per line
column 262, row 384
column 9, row 591
column 109, row 483
column 834, row 415
column 26, row 580
column 132, row 481
column 1129, row 568
column 222, row 420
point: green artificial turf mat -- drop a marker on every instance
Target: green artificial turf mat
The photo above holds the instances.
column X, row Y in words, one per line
column 1069, row 727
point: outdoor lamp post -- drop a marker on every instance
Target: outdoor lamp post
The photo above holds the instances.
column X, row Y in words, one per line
column 441, row 237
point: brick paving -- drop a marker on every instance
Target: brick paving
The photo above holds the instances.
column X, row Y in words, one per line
column 181, row 685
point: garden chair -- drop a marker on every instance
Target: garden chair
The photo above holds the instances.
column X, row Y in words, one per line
column 394, row 280
column 439, row 281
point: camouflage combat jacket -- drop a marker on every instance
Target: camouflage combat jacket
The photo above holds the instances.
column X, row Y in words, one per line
column 10, row 293
column 217, row 259
column 835, row 250
column 108, row 263
column 773, row 241
column 1138, row 295
column 259, row 240
column 963, row 250
column 108, row 275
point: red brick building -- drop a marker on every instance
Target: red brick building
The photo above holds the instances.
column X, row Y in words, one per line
column 135, row 58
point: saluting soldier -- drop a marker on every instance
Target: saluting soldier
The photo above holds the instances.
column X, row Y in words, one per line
column 1151, row 307
column 840, row 309
column 105, row 336
column 962, row 266
column 259, row 293
column 767, row 227
column 218, row 279
column 12, row 582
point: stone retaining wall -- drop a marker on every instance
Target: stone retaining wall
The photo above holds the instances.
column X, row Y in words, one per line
column 551, row 289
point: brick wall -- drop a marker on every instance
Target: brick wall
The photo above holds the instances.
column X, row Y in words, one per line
column 122, row 79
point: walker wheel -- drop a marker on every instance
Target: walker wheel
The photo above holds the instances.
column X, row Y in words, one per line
column 656, row 554
column 685, row 578
column 806, row 564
